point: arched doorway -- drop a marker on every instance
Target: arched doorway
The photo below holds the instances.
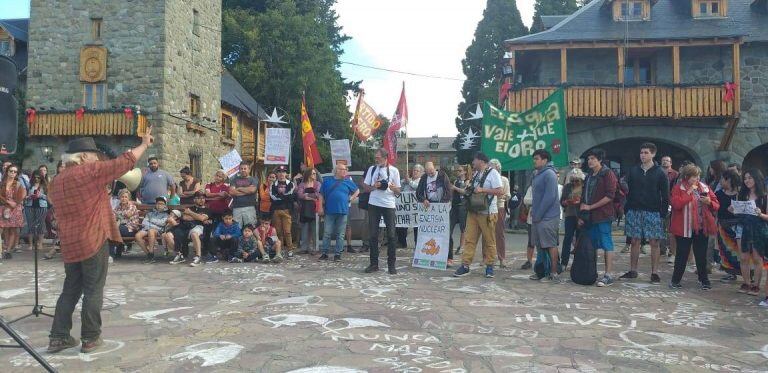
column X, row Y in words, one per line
column 757, row 158
column 624, row 153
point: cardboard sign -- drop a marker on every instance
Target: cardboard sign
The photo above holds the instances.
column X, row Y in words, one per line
column 341, row 152
column 277, row 146
column 434, row 235
column 230, row 162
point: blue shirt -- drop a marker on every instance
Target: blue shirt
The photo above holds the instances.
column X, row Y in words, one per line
column 336, row 195
column 231, row 230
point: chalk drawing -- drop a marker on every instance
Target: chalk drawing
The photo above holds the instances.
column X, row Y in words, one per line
column 375, row 292
column 303, row 301
column 25, row 360
column 466, row 289
column 345, row 323
column 6, row 294
column 152, row 289
column 211, row 353
column 763, row 352
column 327, row 369
column 665, row 339
column 492, row 350
column 151, row 316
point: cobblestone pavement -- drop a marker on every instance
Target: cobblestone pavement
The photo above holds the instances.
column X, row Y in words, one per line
column 309, row 316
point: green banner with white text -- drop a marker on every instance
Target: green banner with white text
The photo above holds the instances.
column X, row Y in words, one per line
column 513, row 137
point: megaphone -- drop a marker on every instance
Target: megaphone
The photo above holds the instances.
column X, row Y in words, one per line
column 131, row 179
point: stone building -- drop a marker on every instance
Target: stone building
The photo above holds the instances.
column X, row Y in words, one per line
column 438, row 150
column 13, row 43
column 110, row 68
column 654, row 70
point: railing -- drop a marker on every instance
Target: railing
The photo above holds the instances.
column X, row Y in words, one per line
column 92, row 124
column 632, row 102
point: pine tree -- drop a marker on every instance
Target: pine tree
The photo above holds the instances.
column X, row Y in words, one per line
column 552, row 8
column 482, row 63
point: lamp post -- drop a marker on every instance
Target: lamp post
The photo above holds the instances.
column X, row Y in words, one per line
column 47, row 152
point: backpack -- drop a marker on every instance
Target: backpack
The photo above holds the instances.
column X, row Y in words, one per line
column 584, row 267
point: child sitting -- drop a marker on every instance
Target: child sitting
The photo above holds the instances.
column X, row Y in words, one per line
column 173, row 220
column 267, row 236
column 249, row 249
column 152, row 225
column 226, row 236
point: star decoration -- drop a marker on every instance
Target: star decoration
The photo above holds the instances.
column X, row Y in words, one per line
column 478, row 114
column 275, row 118
column 471, row 134
column 327, row 136
column 467, row 144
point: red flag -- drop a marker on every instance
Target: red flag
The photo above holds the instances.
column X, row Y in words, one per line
column 31, row 115
column 128, row 113
column 504, row 91
column 399, row 120
column 311, row 153
column 730, row 91
column 79, row 113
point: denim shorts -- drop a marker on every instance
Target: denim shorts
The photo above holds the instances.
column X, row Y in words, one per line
column 600, row 235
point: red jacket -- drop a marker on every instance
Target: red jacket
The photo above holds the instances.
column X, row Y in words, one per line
column 685, row 214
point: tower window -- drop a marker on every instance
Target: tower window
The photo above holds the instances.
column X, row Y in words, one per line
column 96, row 25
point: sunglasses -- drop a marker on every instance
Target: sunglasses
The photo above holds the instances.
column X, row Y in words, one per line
column 13, row 171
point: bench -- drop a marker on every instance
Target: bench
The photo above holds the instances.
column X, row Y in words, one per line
column 143, row 209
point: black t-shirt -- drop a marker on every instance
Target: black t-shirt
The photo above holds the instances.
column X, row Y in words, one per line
column 197, row 210
column 725, row 202
column 458, row 198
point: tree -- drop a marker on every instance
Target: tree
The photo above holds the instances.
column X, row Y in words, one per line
column 552, row 8
column 482, row 62
column 274, row 49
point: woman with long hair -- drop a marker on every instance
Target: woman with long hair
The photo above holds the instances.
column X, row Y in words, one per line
column 36, row 209
column 715, row 173
column 728, row 229
column 571, row 202
column 694, row 206
column 265, row 203
column 51, row 219
column 128, row 220
column 752, row 189
column 12, row 194
column 308, row 192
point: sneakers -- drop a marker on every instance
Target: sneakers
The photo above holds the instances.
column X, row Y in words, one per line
column 605, row 281
column 488, row 271
column 764, row 303
column 290, row 254
column 264, row 259
column 337, row 257
column 671, row 259
column 628, row 275
column 179, row 258
column 462, row 271
column 625, row 250
column 278, row 258
column 7, row 255
column 210, row 259
column 234, row 260
column 526, row 265
column 56, row 345
column 149, row 259
column 195, row 261
column 675, row 285
column 90, row 346
column 323, row 257
column 706, row 286
column 110, row 259
column 450, row 263
column 643, row 250
column 744, row 288
column 655, row 279
column 534, row 277
column 754, row 290
column 371, row 268
column 728, row 278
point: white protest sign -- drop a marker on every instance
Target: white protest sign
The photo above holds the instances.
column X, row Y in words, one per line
column 230, row 162
column 406, row 208
column 744, row 207
column 277, row 146
column 340, row 152
column 432, row 244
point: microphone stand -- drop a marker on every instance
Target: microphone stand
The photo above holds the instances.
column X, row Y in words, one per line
column 37, row 308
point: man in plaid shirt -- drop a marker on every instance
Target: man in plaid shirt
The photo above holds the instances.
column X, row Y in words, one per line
column 83, row 233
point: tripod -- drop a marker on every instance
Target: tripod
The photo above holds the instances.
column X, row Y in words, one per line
column 37, row 308
column 24, row 345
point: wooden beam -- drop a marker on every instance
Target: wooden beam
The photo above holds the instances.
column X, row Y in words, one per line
column 737, row 78
column 563, row 65
column 618, row 43
column 676, row 80
column 620, row 68
column 730, row 130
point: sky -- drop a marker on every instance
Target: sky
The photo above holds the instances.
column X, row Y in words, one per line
column 416, row 36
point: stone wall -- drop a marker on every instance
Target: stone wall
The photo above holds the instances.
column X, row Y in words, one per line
column 591, row 66
column 753, row 124
column 706, row 65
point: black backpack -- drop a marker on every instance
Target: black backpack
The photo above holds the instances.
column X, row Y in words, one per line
column 584, row 267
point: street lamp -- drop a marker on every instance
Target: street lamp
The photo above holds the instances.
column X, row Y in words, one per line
column 47, row 152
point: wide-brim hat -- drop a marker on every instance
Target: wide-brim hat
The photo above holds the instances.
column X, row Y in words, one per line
column 82, row 144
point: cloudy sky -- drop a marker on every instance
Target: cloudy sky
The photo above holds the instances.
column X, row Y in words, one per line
column 416, row 36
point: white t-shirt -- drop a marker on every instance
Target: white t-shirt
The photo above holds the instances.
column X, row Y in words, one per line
column 492, row 181
column 383, row 198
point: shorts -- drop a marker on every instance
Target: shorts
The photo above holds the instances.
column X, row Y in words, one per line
column 546, row 233
column 197, row 229
column 600, row 235
column 644, row 225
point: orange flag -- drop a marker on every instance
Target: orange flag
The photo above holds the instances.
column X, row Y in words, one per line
column 311, row 153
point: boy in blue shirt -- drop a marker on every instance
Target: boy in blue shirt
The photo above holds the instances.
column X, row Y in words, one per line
column 226, row 237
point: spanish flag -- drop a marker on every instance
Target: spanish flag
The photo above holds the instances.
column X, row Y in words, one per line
column 311, row 153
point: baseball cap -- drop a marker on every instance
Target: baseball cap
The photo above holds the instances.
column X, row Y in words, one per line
column 177, row 213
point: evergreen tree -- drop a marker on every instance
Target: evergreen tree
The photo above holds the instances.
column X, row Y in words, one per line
column 275, row 51
column 552, row 8
column 482, row 62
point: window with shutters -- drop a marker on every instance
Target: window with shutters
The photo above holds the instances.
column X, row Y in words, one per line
column 226, row 127
column 95, row 96
column 194, row 105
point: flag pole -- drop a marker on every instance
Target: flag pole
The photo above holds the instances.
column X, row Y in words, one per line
column 355, row 117
column 407, row 145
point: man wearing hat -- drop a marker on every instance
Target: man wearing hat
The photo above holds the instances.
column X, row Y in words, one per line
column 83, row 233
column 575, row 165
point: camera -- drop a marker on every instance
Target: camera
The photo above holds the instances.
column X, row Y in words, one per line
column 469, row 190
column 383, row 184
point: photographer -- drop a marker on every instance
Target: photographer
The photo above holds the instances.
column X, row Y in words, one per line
column 383, row 182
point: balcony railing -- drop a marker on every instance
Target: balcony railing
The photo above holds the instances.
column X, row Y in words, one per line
column 704, row 101
column 92, row 124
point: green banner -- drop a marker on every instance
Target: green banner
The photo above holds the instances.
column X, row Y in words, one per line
column 513, row 137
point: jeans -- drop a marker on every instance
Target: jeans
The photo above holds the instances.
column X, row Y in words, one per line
column 281, row 219
column 571, row 223
column 478, row 224
column 86, row 279
column 307, row 235
column 208, row 246
column 501, row 243
column 402, row 236
column 335, row 226
column 699, row 242
column 458, row 216
column 375, row 213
